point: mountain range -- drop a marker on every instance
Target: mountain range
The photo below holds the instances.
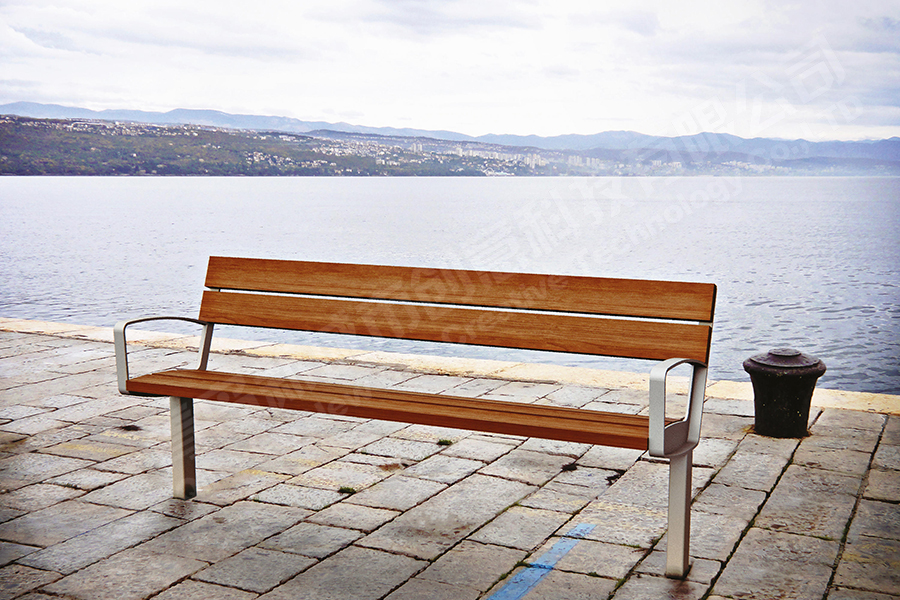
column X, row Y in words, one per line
column 690, row 148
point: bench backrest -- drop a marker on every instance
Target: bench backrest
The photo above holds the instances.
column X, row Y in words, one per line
column 583, row 315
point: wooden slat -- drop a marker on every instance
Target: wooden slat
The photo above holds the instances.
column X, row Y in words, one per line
column 547, row 422
column 536, row 331
column 625, row 297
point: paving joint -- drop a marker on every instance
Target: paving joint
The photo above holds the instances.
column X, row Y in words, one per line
column 859, row 496
column 752, row 522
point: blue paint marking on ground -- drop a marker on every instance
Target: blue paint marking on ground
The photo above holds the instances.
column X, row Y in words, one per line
column 525, row 580
column 521, row 583
column 580, row 531
column 554, row 554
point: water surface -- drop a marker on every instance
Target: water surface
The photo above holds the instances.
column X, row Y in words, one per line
column 812, row 263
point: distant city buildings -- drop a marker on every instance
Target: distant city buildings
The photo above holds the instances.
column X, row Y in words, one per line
column 79, row 146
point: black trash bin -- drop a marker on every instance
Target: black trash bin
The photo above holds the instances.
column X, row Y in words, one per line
column 783, row 382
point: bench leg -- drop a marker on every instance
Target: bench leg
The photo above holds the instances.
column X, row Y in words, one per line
column 184, row 478
column 678, row 548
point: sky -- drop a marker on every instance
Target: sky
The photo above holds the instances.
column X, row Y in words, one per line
column 784, row 69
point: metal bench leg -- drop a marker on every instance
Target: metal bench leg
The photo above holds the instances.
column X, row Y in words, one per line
column 678, row 548
column 184, row 478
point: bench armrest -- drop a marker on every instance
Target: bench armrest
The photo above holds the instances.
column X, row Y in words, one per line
column 682, row 436
column 122, row 348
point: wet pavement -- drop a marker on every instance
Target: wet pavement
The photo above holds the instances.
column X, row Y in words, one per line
column 297, row 505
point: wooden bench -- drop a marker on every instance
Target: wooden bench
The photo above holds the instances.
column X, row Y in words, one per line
column 666, row 321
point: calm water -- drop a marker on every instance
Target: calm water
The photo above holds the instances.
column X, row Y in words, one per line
column 812, row 263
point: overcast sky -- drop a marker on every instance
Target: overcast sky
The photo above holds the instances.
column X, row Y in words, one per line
column 817, row 70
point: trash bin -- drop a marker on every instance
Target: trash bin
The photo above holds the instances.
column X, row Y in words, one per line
column 783, row 382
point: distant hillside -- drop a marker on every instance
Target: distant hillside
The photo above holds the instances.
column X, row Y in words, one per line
column 888, row 150
column 211, row 118
column 87, row 146
column 31, row 146
column 691, row 148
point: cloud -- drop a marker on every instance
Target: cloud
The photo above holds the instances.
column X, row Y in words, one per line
column 877, row 35
column 640, row 22
column 880, row 24
column 435, row 17
column 47, row 39
column 534, row 66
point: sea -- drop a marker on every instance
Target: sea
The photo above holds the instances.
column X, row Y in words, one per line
column 811, row 263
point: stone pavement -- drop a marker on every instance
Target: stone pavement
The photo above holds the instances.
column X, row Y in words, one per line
column 298, row 505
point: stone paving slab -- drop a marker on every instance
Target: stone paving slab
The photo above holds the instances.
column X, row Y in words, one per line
column 415, row 589
column 400, row 448
column 752, row 470
column 803, row 507
column 431, row 528
column 134, row 493
column 733, row 501
column 197, row 590
column 69, row 519
column 521, row 528
column 640, row 587
column 232, row 488
column 309, row 539
column 891, row 434
column 534, row 468
column 353, row 516
column 227, row 531
column 473, row 565
column 303, row 460
column 838, row 593
column 713, row 537
column 887, row 457
column 480, row 449
column 130, row 575
column 341, row 474
column 769, row 564
column 602, row 559
column 883, row 485
column 398, row 493
column 616, row 523
column 82, row 550
column 702, row 570
column 300, row 496
column 86, row 508
column 443, row 469
column 870, row 564
column 38, row 496
column 561, row 585
column 358, row 573
column 876, row 519
column 255, row 569
column 16, row 580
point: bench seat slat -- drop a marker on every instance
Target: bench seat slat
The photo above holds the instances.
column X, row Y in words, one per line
column 548, row 422
column 536, row 331
column 593, row 295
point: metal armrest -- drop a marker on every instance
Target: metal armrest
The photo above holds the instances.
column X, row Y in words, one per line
column 682, row 436
column 122, row 350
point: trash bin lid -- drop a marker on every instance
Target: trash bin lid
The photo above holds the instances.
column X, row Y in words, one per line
column 785, row 358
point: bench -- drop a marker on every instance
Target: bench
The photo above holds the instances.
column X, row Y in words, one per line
column 669, row 322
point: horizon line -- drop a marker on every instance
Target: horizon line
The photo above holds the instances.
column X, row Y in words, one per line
column 420, row 130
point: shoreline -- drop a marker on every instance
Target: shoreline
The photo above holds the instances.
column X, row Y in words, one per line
column 519, row 371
